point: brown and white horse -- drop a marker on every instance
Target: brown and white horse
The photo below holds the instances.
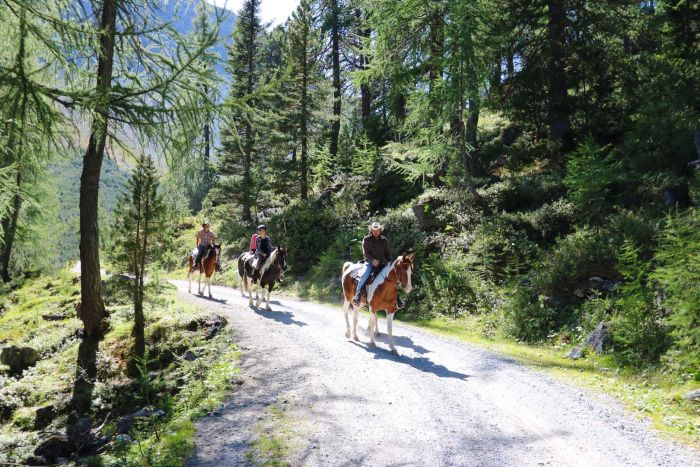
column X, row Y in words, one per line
column 381, row 295
column 208, row 266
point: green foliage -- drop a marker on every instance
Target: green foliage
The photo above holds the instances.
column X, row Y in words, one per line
column 639, row 334
column 678, row 275
column 590, row 172
column 527, row 315
column 305, row 230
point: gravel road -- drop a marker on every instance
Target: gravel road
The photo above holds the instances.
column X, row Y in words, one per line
column 440, row 402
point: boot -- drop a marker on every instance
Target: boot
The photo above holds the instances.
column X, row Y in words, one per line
column 399, row 303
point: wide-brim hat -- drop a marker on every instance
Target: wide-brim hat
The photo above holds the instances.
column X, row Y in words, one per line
column 375, row 226
column 206, row 222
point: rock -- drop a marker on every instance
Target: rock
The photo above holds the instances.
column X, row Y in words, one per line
column 508, row 136
column 79, row 432
column 190, row 356
column 423, row 210
column 693, row 395
column 602, row 285
column 33, row 418
column 212, row 325
column 575, row 353
column 126, row 423
column 54, row 317
column 54, row 447
column 579, row 293
column 599, row 339
column 18, row 358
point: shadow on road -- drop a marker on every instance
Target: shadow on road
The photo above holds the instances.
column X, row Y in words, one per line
column 420, row 363
column 284, row 317
column 211, row 299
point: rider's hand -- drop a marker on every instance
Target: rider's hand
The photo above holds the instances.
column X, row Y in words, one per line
column 375, row 262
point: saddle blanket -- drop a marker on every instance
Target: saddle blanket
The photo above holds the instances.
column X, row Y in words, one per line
column 359, row 268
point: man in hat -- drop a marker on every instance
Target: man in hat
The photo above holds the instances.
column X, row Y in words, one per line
column 205, row 238
column 263, row 249
column 375, row 248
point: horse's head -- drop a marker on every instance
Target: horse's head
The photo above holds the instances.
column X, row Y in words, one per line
column 281, row 258
column 404, row 269
column 217, row 249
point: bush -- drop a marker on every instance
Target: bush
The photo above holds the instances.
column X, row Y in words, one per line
column 678, row 274
column 448, row 285
column 528, row 316
column 402, row 229
column 325, row 275
column 305, row 229
column 574, row 259
column 590, row 173
column 523, row 192
column 545, row 224
column 638, row 332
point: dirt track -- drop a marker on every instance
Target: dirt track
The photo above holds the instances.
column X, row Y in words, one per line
column 440, row 402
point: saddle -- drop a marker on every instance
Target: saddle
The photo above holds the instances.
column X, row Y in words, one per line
column 358, row 269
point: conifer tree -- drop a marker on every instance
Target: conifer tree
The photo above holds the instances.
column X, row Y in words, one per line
column 302, row 57
column 139, row 233
column 241, row 120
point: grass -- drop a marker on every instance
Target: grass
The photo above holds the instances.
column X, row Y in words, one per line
column 651, row 393
column 41, row 313
column 272, row 444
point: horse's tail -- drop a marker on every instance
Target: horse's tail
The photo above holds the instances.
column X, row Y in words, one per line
column 346, row 265
column 241, row 266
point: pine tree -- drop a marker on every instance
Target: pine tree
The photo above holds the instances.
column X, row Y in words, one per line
column 139, row 233
column 242, row 124
column 303, row 52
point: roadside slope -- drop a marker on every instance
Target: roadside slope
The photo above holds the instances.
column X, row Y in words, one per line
column 440, row 402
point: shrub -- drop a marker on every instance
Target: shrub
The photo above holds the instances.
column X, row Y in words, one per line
column 526, row 315
column 402, row 229
column 679, row 276
column 573, row 259
column 305, row 229
column 447, row 285
column 590, row 173
column 638, row 332
column 523, row 192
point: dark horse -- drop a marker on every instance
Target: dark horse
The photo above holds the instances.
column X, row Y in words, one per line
column 270, row 272
column 210, row 259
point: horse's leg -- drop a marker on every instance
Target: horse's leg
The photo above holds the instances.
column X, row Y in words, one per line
column 249, row 290
column 257, row 293
column 241, row 285
column 209, row 285
column 346, row 310
column 189, row 281
column 269, row 291
column 199, row 283
column 355, row 317
column 389, row 319
column 372, row 324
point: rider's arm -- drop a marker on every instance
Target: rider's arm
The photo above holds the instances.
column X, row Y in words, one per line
column 365, row 251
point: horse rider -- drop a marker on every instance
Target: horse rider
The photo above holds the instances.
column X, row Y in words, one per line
column 205, row 239
column 253, row 243
column 263, row 249
column 375, row 248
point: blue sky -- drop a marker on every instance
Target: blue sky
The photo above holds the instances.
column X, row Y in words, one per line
column 275, row 11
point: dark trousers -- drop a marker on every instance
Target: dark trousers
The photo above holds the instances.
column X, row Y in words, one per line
column 200, row 252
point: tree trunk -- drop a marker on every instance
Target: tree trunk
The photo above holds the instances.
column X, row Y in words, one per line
column 248, row 145
column 335, row 58
column 472, row 164
column 9, row 228
column 437, row 45
column 92, row 311
column 365, row 89
column 303, row 124
column 558, row 108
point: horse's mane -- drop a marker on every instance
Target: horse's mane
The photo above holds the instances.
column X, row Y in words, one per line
column 268, row 262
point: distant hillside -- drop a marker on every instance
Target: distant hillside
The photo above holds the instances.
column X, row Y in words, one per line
column 67, row 176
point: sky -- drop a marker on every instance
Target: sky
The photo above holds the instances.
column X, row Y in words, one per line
column 276, row 11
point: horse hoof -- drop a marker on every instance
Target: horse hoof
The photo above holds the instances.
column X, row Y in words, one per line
column 377, row 334
column 268, row 308
column 257, row 304
column 394, row 352
column 210, row 296
column 372, row 344
column 355, row 338
column 250, row 302
column 347, row 334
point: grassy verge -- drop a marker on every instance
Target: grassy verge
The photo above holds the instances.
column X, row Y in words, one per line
column 188, row 371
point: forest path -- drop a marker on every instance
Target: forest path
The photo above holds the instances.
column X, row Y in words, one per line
column 315, row 398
